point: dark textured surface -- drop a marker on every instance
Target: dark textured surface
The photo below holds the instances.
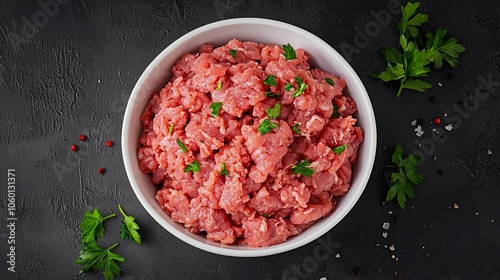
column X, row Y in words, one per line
column 73, row 74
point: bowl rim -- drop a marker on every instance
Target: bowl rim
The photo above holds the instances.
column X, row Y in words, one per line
column 226, row 249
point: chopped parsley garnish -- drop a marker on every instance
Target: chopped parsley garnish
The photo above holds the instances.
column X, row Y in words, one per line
column 93, row 257
column 265, row 215
column 329, row 81
column 170, row 128
column 296, row 129
column 193, row 167
column 274, row 112
column 289, row 52
column 302, row 86
column 266, row 126
column 183, row 147
column 405, row 177
column 91, row 226
column 129, row 227
column 224, row 171
column 335, row 112
column 288, row 86
column 301, row 168
column 219, row 85
column 338, row 150
column 270, row 80
column 216, row 106
column 272, row 95
column 233, row 53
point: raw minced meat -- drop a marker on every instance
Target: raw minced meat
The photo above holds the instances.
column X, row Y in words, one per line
column 260, row 202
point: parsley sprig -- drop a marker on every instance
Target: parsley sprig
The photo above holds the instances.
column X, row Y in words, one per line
column 412, row 64
column 289, row 52
column 94, row 257
column 129, row 227
column 405, row 177
column 92, row 227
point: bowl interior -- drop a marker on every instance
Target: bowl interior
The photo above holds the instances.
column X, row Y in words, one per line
column 261, row 31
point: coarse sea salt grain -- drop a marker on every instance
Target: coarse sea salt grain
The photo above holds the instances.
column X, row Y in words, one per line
column 440, row 84
column 386, row 225
column 322, row 278
column 489, row 152
column 419, row 131
column 337, row 256
column 384, row 234
column 449, row 127
column 414, row 122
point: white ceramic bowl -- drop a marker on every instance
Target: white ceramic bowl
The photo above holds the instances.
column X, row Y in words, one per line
column 258, row 30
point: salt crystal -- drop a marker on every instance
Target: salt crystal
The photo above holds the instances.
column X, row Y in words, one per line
column 477, row 213
column 322, row 278
column 440, row 84
column 337, row 256
column 419, row 131
column 390, row 212
column 98, row 81
column 455, row 206
column 392, row 248
column 386, row 225
column 414, row 122
column 384, row 234
column 449, row 127
column 489, row 152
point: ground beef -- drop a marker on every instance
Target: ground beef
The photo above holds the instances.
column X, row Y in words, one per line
column 260, row 202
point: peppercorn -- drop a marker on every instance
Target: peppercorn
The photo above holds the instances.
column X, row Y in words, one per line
column 74, row 148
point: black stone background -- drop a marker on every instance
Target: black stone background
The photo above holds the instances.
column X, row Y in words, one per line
column 74, row 73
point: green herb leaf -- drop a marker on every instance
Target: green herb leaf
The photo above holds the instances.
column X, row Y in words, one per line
column 296, row 129
column 329, row 81
column 335, row 112
column 233, row 53
column 289, row 52
column 92, row 226
column 301, row 168
column 170, row 128
column 183, row 147
column 266, row 126
column 270, row 80
column 129, row 227
column 288, row 86
column 193, row 167
column 406, row 176
column 265, row 215
column 274, row 112
column 338, row 150
column 302, row 86
column 410, row 21
column 439, row 49
column 224, row 171
column 216, row 106
column 219, row 85
column 93, row 257
column 272, row 95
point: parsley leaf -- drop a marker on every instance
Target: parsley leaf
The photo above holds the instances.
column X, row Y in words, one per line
column 288, row 86
column 272, row 95
column 335, row 112
column 129, row 227
column 301, row 168
column 232, row 53
column 219, row 85
column 289, row 52
column 170, row 128
column 410, row 21
column 266, row 126
column 296, row 129
column 216, row 106
column 302, row 86
column 329, row 81
column 193, row 167
column 265, row 215
column 270, row 80
column 224, row 171
column 338, row 150
column 94, row 257
column 439, row 49
column 406, row 176
column 274, row 112
column 183, row 147
column 91, row 226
